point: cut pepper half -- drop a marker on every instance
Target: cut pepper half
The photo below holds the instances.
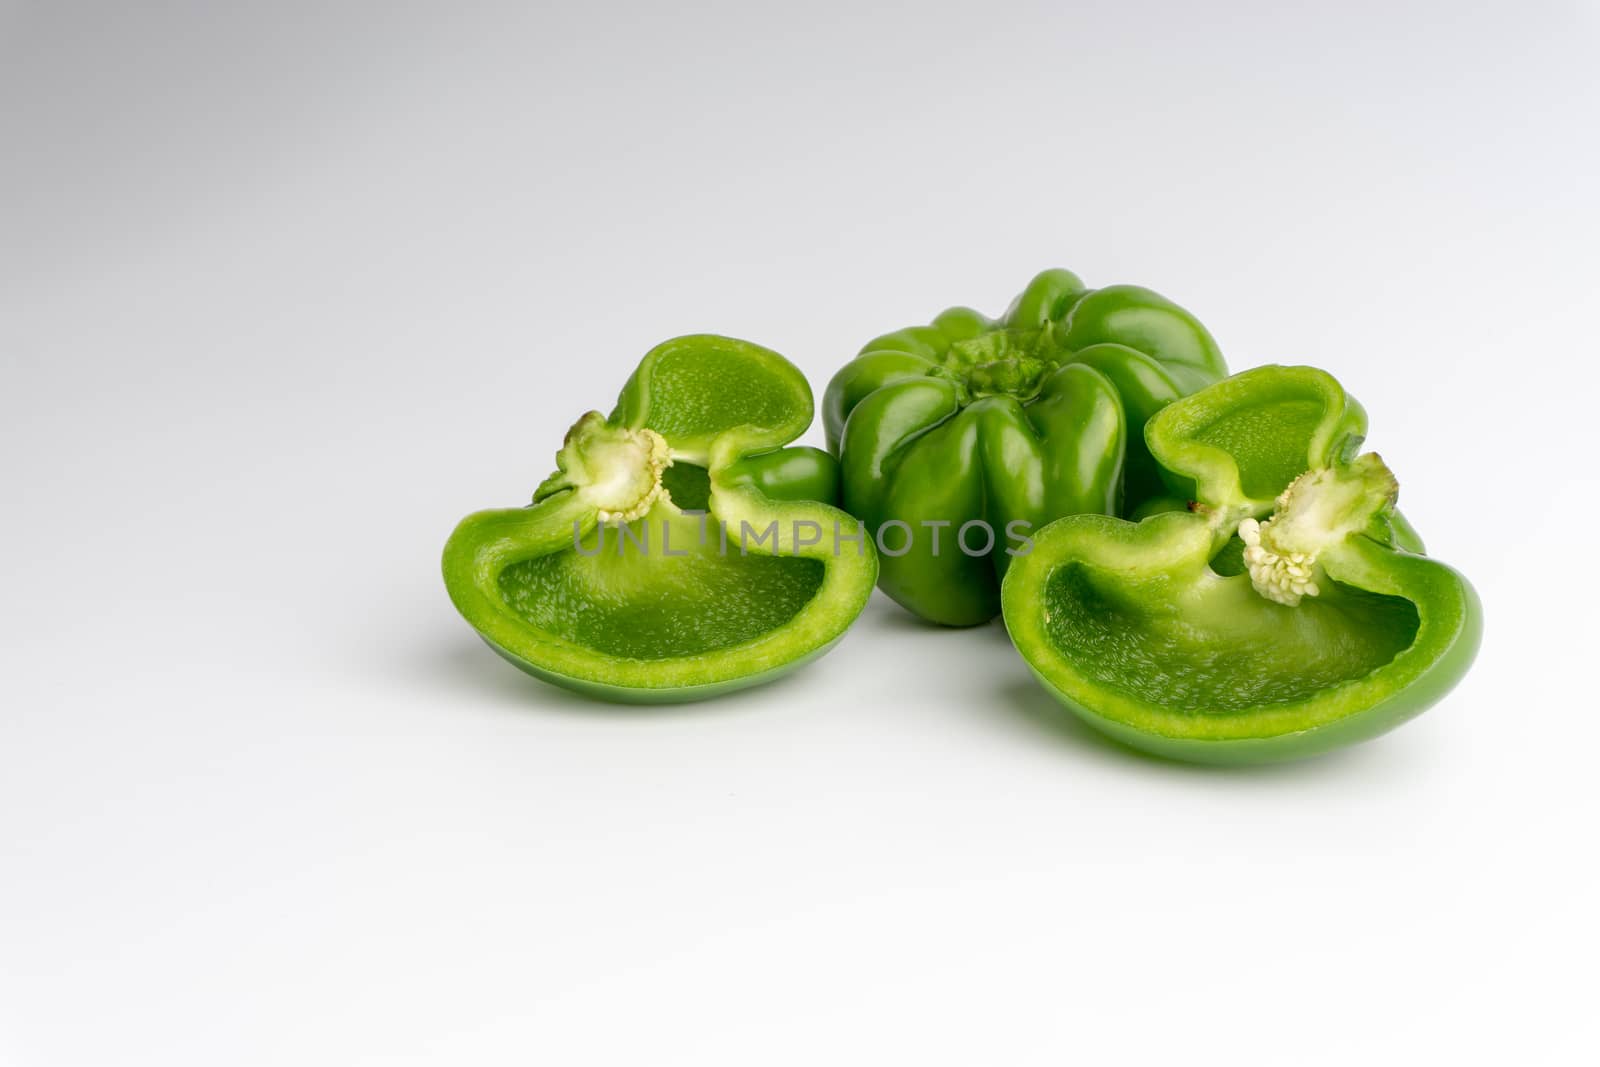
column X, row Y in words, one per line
column 1288, row 610
column 678, row 551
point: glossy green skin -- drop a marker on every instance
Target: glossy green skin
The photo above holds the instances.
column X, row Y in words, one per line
column 725, row 408
column 1163, row 586
column 1015, row 421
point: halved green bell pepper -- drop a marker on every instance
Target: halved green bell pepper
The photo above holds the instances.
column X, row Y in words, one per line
column 678, row 551
column 996, row 427
column 1286, row 611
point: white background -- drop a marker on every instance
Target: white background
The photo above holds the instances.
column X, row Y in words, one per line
column 288, row 289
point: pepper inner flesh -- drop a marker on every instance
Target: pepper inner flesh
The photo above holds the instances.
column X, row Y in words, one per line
column 642, row 603
column 1249, row 435
column 1219, row 647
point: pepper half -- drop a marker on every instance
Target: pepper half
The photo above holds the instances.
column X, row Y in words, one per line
column 971, row 433
column 1288, row 611
column 679, row 551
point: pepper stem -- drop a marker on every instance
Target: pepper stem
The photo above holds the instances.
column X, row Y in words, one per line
column 1000, row 363
column 616, row 469
column 1318, row 510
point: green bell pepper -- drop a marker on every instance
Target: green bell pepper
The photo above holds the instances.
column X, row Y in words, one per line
column 1286, row 611
column 678, row 551
column 958, row 439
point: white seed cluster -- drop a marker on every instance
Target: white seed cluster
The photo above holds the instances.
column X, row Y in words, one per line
column 1284, row 579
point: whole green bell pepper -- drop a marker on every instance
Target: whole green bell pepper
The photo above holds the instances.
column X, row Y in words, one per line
column 678, row 551
column 1286, row 611
column 968, row 434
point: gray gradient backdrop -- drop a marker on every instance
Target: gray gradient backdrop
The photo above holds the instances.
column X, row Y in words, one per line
column 285, row 289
